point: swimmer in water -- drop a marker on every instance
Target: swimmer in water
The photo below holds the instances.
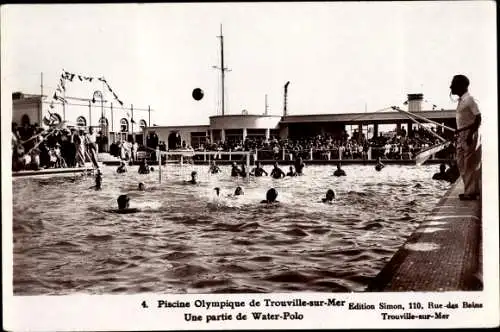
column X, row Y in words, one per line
column 238, row 191
column 271, row 196
column 217, row 190
column 122, row 168
column 339, row 171
column 291, row 172
column 235, row 171
column 98, row 180
column 452, row 173
column 258, row 171
column 379, row 165
column 330, row 196
column 152, row 169
column 124, row 205
column 277, row 173
column 144, row 168
column 142, row 187
column 243, row 172
column 299, row 166
column 442, row 173
column 193, row 178
column 214, row 169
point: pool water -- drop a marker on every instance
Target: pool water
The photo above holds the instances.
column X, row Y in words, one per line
column 185, row 239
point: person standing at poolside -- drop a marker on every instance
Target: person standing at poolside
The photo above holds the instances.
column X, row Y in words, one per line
column 468, row 121
column 79, row 140
column 92, row 146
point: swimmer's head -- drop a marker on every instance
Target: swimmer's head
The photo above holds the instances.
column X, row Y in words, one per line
column 338, row 165
column 217, row 190
column 238, row 191
column 276, row 164
column 259, row 164
column 271, row 195
column 291, row 168
column 152, row 169
column 193, row 175
column 234, row 164
column 442, row 167
column 330, row 195
column 123, row 202
column 142, row 186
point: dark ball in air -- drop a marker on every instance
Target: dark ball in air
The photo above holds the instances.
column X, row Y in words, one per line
column 198, row 94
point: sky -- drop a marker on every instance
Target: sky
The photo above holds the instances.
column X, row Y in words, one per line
column 339, row 57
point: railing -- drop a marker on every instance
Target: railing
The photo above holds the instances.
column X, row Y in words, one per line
column 287, row 154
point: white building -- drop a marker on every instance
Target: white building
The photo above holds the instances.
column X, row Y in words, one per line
column 226, row 128
column 113, row 120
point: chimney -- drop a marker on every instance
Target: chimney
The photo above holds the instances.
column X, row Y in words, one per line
column 285, row 103
column 415, row 102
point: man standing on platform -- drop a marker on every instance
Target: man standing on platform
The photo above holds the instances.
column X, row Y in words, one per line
column 468, row 121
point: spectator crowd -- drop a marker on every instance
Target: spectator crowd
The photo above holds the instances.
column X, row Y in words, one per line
column 36, row 148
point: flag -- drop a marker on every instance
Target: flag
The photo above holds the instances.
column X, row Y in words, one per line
column 120, row 102
column 55, row 96
column 80, row 77
column 425, row 154
column 132, row 121
column 71, row 77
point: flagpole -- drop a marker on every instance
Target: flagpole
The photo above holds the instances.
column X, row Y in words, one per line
column 132, row 119
column 64, row 105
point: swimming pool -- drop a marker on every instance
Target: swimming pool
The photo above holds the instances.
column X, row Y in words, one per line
column 186, row 240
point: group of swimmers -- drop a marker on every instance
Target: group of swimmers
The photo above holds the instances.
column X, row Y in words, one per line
column 272, row 194
column 276, row 172
column 143, row 168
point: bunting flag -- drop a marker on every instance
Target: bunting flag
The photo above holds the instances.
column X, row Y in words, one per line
column 132, row 121
column 66, row 75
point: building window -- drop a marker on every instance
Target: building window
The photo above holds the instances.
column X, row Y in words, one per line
column 143, row 124
column 123, row 125
column 198, row 139
column 81, row 122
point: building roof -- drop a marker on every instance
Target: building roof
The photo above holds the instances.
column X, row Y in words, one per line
column 379, row 117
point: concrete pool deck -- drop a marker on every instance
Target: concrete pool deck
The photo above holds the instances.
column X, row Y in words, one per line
column 443, row 254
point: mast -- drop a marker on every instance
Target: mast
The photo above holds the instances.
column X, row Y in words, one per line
column 222, row 69
column 222, row 65
column 266, row 107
